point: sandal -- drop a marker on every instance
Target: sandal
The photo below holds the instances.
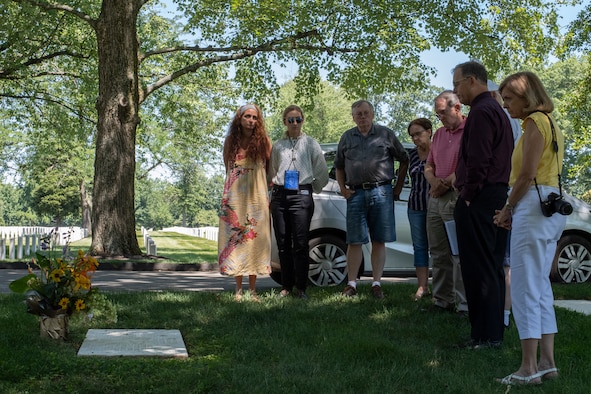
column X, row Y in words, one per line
column 418, row 296
column 550, row 373
column 238, row 295
column 254, row 296
column 513, row 379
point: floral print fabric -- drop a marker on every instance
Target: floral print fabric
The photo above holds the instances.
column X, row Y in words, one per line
column 244, row 241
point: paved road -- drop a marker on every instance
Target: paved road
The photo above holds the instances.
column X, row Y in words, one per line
column 165, row 280
column 206, row 281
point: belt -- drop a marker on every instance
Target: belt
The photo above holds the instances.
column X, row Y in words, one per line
column 302, row 189
column 370, row 185
column 503, row 184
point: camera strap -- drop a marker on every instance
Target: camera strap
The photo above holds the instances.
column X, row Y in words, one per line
column 555, row 148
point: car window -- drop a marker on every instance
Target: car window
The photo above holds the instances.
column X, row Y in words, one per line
column 329, row 156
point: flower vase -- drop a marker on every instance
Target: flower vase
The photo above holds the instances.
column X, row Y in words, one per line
column 54, row 327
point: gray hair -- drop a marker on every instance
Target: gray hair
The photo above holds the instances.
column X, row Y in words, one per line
column 449, row 96
column 360, row 102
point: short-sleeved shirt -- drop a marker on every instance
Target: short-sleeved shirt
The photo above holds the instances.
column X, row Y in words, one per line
column 419, row 191
column 550, row 164
column 444, row 150
column 369, row 158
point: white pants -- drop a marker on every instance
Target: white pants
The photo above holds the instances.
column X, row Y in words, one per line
column 533, row 245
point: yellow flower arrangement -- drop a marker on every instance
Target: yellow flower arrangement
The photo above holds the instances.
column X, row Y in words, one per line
column 62, row 285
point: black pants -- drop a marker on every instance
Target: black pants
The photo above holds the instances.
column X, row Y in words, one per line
column 292, row 213
column 482, row 248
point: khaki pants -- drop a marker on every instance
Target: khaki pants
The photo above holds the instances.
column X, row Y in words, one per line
column 448, row 286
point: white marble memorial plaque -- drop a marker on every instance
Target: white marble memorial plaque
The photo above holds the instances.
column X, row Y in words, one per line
column 131, row 342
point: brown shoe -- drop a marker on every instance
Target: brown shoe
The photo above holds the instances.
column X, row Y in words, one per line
column 349, row 291
column 376, row 291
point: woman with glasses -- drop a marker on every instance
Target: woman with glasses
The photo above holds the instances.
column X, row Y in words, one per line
column 244, row 241
column 298, row 169
column 420, row 130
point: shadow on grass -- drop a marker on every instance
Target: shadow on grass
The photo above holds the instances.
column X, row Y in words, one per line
column 327, row 344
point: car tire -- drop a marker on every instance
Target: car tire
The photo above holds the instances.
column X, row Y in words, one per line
column 572, row 263
column 328, row 261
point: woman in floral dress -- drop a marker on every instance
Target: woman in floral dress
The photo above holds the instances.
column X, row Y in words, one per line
column 244, row 243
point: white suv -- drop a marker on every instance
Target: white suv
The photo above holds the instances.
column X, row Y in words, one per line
column 328, row 263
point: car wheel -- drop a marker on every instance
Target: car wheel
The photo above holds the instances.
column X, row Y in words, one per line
column 572, row 263
column 328, row 261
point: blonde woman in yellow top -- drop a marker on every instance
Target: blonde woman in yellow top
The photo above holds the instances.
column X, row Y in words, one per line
column 536, row 163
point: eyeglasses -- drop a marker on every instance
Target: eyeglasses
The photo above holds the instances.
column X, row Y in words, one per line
column 417, row 134
column 295, row 120
column 441, row 113
column 456, row 83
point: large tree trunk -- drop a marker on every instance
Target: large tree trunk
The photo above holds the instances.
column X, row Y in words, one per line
column 113, row 219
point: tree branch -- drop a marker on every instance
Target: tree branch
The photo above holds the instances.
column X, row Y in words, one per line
column 61, row 7
column 5, row 74
column 280, row 41
column 47, row 98
column 145, row 173
column 243, row 52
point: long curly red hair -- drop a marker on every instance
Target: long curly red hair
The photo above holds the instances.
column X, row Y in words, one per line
column 259, row 147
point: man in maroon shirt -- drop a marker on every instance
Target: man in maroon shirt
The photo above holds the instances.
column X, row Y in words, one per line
column 482, row 176
column 448, row 286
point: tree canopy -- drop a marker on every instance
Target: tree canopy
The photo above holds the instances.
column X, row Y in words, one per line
column 113, row 63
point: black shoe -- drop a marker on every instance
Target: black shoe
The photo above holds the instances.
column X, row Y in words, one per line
column 494, row 344
column 471, row 344
column 439, row 308
column 475, row 345
column 302, row 294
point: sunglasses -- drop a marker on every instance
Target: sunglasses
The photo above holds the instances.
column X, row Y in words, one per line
column 295, row 120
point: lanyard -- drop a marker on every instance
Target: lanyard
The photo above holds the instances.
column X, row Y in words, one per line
column 293, row 151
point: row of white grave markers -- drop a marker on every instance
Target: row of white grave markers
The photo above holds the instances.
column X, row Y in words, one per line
column 19, row 242
column 149, row 243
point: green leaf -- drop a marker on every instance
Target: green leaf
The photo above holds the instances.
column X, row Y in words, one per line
column 20, row 285
column 42, row 261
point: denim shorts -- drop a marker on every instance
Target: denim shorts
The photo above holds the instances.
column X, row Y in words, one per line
column 370, row 213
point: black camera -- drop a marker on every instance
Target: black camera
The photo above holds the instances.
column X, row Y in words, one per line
column 556, row 203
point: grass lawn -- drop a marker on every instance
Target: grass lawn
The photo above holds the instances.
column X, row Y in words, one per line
column 172, row 248
column 327, row 344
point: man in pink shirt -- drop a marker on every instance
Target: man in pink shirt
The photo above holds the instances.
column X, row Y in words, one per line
column 448, row 286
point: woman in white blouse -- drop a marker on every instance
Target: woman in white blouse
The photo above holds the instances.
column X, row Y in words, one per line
column 298, row 169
